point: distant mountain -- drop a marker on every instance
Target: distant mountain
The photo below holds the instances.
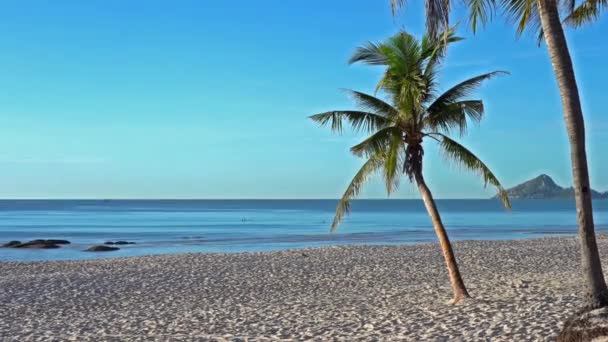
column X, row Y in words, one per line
column 543, row 187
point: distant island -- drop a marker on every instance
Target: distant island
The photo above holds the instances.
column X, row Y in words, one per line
column 543, row 187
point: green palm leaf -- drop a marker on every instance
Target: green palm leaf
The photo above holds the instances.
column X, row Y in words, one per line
column 402, row 56
column 454, row 116
column 378, row 143
column 392, row 163
column 460, row 91
column 360, row 121
column 433, row 50
column 586, row 12
column 480, row 12
column 523, row 13
column 402, row 47
column 371, row 53
column 370, row 166
column 373, row 104
column 461, row 155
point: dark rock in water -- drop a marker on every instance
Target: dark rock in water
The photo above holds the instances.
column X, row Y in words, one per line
column 12, row 243
column 58, row 242
column 588, row 326
column 108, row 243
column 119, row 243
column 38, row 243
column 41, row 244
column 101, row 248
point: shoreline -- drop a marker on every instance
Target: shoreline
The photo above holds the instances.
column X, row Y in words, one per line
column 522, row 290
column 109, row 255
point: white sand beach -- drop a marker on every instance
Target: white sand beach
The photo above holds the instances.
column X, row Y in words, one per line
column 523, row 291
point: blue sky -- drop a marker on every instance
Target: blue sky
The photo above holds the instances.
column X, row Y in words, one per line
column 209, row 99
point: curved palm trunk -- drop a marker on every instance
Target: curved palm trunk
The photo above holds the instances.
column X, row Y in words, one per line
column 460, row 290
column 573, row 115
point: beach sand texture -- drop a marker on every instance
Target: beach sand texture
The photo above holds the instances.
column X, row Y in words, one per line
column 523, row 291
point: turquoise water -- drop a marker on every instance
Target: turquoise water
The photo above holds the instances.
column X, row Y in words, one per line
column 171, row 226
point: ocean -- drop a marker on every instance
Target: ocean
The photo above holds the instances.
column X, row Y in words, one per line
column 228, row 226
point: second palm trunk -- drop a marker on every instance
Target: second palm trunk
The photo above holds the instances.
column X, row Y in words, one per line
column 597, row 293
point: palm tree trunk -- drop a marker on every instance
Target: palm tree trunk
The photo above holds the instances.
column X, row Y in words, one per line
column 460, row 290
column 573, row 115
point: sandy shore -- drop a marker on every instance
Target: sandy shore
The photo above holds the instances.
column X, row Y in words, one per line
column 523, row 291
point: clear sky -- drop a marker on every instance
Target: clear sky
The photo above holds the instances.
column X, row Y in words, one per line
column 209, row 99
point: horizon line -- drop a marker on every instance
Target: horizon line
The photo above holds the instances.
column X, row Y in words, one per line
column 239, row 199
column 230, row 199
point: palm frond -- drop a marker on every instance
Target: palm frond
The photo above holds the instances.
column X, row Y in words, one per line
column 461, row 155
column 480, row 12
column 403, row 80
column 585, row 13
column 460, row 91
column 396, row 5
column 524, row 14
column 411, row 65
column 437, row 16
column 567, row 6
column 403, row 53
column 371, row 53
column 378, row 143
column 392, row 163
column 373, row 104
column 343, row 208
column 540, row 37
column 454, row 116
column 433, row 50
column 394, row 51
column 566, row 9
column 360, row 121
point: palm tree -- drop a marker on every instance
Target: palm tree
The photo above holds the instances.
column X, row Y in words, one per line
column 543, row 16
column 412, row 114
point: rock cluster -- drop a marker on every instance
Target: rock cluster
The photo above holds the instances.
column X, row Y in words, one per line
column 40, row 243
column 101, row 248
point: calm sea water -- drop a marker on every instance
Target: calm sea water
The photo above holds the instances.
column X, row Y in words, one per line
column 169, row 226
